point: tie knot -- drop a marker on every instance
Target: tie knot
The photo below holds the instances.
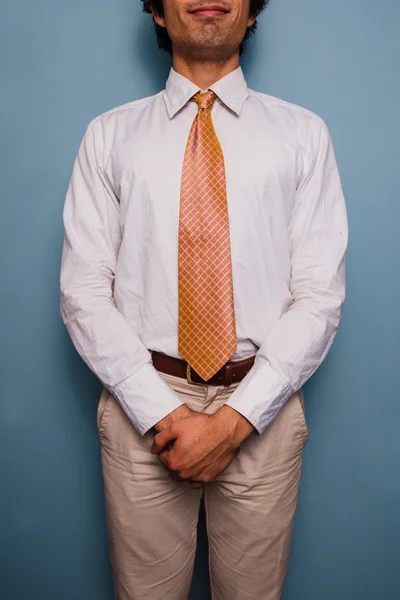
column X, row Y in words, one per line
column 205, row 100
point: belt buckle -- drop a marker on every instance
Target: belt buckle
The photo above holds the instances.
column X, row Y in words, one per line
column 189, row 375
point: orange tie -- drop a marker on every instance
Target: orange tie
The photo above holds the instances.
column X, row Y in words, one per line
column 206, row 328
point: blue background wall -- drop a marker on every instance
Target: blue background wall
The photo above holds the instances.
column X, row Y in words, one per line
column 62, row 63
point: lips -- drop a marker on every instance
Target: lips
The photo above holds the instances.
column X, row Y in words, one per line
column 209, row 10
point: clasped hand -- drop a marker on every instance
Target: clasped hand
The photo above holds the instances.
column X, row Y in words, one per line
column 198, row 447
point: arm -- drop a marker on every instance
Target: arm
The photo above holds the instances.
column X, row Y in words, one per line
column 299, row 341
column 101, row 335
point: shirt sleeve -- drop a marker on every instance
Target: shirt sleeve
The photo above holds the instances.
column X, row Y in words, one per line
column 100, row 333
column 299, row 341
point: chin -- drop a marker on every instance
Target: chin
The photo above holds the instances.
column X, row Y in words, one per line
column 209, row 51
column 211, row 43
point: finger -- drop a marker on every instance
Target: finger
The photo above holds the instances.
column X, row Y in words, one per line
column 162, row 439
column 163, row 457
column 195, row 485
column 205, row 473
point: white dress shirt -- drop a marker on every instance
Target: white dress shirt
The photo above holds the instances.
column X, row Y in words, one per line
column 288, row 230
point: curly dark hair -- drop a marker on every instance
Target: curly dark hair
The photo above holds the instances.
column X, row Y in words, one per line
column 163, row 39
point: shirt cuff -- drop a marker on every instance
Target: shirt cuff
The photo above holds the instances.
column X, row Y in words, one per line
column 146, row 398
column 260, row 395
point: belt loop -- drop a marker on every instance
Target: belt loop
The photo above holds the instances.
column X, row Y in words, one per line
column 228, row 374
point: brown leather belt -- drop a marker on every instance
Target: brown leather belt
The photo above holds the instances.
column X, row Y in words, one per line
column 231, row 372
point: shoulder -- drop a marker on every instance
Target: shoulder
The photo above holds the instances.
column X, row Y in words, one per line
column 280, row 106
column 310, row 129
column 111, row 128
column 120, row 115
column 290, row 113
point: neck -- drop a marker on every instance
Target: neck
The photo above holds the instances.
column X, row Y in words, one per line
column 204, row 73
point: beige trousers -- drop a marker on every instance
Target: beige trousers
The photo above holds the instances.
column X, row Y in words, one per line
column 152, row 519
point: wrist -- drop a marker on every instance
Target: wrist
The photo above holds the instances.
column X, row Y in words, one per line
column 179, row 413
column 238, row 427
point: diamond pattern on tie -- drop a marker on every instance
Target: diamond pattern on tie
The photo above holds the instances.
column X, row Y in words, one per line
column 206, row 327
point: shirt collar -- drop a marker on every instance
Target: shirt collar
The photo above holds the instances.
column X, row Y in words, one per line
column 232, row 90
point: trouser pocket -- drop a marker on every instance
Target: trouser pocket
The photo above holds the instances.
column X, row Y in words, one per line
column 103, row 410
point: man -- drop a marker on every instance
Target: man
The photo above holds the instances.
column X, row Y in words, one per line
column 202, row 281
